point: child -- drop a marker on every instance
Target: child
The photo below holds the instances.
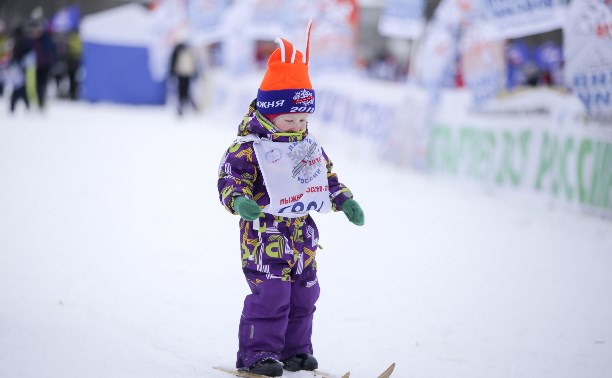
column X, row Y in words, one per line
column 272, row 176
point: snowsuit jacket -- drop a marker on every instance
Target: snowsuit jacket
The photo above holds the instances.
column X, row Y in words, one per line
column 245, row 177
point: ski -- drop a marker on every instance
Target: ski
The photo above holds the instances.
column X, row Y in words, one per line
column 246, row 374
column 317, row 373
column 387, row 373
column 238, row 373
column 322, row 374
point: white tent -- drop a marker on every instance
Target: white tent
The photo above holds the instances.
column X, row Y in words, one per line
column 116, row 57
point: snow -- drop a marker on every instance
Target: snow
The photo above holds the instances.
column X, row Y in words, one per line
column 117, row 260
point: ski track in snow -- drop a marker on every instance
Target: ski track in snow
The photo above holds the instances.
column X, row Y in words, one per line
column 117, row 260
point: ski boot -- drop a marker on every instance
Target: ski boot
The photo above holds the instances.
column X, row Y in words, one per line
column 301, row 361
column 267, row 366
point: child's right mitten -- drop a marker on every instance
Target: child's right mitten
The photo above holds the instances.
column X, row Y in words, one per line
column 353, row 212
column 246, row 208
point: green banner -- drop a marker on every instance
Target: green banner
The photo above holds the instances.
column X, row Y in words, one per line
column 567, row 167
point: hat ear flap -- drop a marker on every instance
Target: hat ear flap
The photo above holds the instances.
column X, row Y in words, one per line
column 306, row 57
column 286, row 49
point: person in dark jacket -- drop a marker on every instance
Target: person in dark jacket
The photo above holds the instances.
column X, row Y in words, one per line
column 184, row 66
column 22, row 60
column 44, row 48
column 4, row 54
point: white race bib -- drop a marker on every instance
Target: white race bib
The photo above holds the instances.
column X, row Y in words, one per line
column 295, row 175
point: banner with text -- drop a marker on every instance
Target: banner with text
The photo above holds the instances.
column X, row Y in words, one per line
column 333, row 39
column 588, row 57
column 520, row 18
column 483, row 63
column 403, row 19
column 436, row 64
column 531, row 144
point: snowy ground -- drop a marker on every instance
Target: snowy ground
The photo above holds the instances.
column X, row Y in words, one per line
column 116, row 260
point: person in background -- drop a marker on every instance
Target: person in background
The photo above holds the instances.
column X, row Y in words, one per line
column 59, row 72
column 67, row 64
column 74, row 63
column 184, row 67
column 273, row 175
column 23, row 60
column 4, row 55
column 45, row 50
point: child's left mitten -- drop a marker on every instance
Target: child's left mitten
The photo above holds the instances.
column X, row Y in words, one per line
column 353, row 212
column 246, row 208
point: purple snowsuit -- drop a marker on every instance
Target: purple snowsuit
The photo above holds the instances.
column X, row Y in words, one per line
column 278, row 254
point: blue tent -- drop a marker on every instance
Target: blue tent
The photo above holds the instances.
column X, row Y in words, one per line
column 116, row 58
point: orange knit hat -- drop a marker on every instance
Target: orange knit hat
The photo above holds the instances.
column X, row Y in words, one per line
column 286, row 86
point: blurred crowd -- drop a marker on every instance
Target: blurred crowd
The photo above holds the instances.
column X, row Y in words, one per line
column 528, row 64
column 34, row 58
column 36, row 55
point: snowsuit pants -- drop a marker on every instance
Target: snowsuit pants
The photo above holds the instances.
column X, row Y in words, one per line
column 278, row 261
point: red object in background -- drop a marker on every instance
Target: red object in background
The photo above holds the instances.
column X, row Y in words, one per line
column 459, row 79
column 152, row 5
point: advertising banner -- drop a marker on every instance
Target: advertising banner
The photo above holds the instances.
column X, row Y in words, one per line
column 205, row 18
column 520, row 18
column 588, row 56
column 333, row 39
column 170, row 26
column 437, row 57
column 403, row 19
column 529, row 144
column 453, row 14
column 266, row 19
column 334, row 30
column 196, row 22
column 482, row 63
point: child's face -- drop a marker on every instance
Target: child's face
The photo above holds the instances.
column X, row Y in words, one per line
column 291, row 122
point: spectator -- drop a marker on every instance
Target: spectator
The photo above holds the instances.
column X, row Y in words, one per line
column 59, row 70
column 4, row 55
column 67, row 64
column 45, row 51
column 74, row 63
column 22, row 61
column 184, row 66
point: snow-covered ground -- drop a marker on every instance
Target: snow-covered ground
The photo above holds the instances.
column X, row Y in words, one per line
column 117, row 260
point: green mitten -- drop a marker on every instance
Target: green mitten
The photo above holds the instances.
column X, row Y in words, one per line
column 246, row 208
column 353, row 212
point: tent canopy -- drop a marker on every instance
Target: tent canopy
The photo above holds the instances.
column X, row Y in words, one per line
column 116, row 57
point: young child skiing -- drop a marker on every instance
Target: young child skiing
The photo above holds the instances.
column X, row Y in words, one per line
column 272, row 176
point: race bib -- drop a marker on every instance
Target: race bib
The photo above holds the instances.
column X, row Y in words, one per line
column 295, row 174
